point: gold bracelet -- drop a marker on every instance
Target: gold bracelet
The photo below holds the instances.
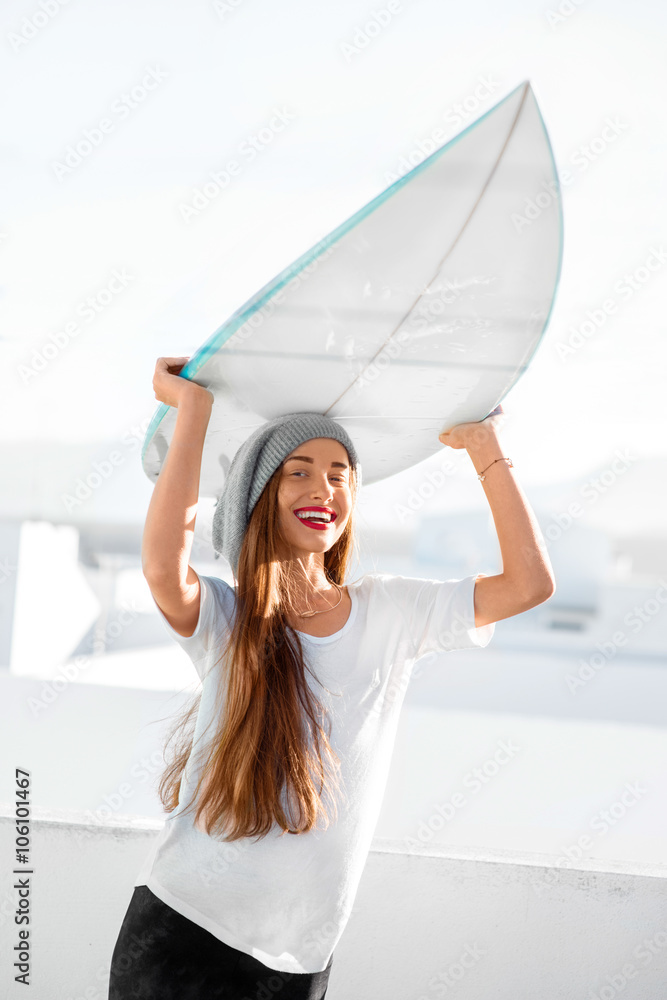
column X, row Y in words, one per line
column 481, row 476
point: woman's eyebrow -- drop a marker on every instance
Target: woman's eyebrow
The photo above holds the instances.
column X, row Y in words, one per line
column 305, row 458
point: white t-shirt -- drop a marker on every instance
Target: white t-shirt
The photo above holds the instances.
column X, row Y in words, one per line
column 285, row 899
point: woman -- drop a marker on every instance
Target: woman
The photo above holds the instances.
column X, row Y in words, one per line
column 274, row 797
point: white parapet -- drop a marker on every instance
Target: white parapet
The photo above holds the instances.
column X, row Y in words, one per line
column 425, row 924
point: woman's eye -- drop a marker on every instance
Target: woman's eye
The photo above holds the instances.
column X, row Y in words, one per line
column 303, row 472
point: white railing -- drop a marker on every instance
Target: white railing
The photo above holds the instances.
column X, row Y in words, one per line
column 425, row 924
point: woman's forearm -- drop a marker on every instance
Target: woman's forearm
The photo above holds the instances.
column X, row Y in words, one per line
column 526, row 563
column 170, row 520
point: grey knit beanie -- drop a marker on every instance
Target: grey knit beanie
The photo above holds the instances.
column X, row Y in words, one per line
column 254, row 464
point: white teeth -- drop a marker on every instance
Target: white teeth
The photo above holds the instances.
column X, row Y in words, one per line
column 313, row 515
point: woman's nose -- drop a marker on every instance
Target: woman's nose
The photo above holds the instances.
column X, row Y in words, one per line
column 322, row 488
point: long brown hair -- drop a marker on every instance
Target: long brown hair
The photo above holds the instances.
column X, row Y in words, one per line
column 270, row 736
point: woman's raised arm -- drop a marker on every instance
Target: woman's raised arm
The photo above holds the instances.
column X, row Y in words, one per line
column 527, row 577
column 170, row 520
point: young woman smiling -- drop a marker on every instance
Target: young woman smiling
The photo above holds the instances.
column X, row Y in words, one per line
column 276, row 782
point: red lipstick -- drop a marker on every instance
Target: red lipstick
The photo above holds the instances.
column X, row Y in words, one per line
column 317, row 523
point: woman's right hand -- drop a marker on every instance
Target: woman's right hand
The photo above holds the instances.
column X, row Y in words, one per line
column 171, row 389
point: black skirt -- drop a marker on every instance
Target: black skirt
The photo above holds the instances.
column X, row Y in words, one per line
column 161, row 955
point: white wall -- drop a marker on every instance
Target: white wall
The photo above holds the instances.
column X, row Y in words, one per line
column 97, row 749
column 526, row 932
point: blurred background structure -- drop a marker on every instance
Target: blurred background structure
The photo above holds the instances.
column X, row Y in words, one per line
column 130, row 234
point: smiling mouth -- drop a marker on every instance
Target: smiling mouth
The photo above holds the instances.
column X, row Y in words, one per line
column 318, row 518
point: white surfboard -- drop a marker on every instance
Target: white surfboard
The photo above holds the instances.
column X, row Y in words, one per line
column 417, row 313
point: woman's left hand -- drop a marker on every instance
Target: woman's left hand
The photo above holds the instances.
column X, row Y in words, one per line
column 461, row 435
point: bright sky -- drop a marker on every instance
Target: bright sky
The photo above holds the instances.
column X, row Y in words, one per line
column 205, row 78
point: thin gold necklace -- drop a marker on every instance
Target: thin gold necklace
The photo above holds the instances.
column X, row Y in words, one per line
column 309, row 614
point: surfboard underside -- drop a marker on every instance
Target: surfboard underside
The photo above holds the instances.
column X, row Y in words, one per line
column 417, row 313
